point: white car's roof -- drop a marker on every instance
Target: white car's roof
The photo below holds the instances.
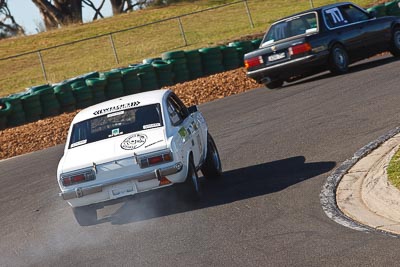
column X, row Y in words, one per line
column 126, row 102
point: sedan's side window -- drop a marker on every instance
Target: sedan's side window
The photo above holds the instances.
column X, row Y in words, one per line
column 334, row 18
column 354, row 14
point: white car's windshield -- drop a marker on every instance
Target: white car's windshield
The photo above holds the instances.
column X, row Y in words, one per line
column 115, row 124
column 298, row 25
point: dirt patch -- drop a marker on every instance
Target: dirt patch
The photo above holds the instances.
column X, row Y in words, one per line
column 53, row 131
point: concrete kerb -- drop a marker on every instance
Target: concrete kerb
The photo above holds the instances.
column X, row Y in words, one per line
column 329, row 189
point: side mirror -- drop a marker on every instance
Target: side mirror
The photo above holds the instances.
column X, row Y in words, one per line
column 192, row 109
column 372, row 14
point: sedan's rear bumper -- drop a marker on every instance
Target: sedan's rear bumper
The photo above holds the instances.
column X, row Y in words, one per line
column 290, row 68
column 79, row 192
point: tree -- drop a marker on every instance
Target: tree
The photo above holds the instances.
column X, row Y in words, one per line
column 124, row 6
column 8, row 25
column 60, row 12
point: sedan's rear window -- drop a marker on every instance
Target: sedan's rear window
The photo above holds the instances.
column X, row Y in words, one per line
column 290, row 27
column 115, row 124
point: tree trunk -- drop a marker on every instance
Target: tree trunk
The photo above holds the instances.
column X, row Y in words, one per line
column 117, row 6
column 62, row 12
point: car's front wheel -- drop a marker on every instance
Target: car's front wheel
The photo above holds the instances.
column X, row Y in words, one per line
column 85, row 215
column 212, row 167
column 338, row 60
column 395, row 45
column 192, row 183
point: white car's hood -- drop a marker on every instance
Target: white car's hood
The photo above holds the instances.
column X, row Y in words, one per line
column 114, row 148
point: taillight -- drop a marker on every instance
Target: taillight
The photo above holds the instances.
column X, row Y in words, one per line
column 252, row 62
column 77, row 177
column 299, row 49
column 154, row 158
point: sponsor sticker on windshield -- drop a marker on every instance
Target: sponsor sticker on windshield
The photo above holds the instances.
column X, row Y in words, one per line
column 149, row 126
column 79, row 143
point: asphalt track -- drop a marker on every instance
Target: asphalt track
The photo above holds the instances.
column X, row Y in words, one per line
column 277, row 148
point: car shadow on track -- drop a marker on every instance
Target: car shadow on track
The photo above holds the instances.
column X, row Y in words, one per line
column 357, row 67
column 234, row 185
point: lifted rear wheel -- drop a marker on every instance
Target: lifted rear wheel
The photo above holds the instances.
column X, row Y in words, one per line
column 212, row 167
column 85, row 215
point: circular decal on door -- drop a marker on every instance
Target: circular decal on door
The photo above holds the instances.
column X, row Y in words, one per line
column 134, row 141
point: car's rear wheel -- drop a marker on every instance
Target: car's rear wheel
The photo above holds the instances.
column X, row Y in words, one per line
column 85, row 215
column 338, row 60
column 192, row 183
column 395, row 45
column 274, row 84
column 212, row 167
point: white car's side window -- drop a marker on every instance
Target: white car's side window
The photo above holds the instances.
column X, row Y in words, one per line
column 175, row 118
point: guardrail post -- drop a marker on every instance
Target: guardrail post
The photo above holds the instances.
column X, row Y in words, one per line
column 113, row 47
column 42, row 64
column 182, row 31
column 248, row 13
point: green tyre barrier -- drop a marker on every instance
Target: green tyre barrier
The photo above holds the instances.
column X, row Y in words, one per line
column 131, row 81
column 230, row 59
column 83, row 96
column 114, row 87
column 97, row 86
column 193, row 62
column 393, row 8
column 49, row 103
column 5, row 109
column 65, row 97
column 32, row 107
column 379, row 9
column 163, row 70
column 211, row 58
column 148, row 77
column 17, row 115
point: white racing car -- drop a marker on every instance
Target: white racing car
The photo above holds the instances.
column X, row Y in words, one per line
column 134, row 144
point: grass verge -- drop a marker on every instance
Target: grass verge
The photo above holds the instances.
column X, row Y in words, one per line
column 393, row 170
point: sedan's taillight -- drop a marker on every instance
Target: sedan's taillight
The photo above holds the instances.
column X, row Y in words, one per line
column 77, row 177
column 148, row 160
column 253, row 62
column 299, row 49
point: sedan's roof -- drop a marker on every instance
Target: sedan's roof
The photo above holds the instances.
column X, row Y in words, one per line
column 316, row 9
column 126, row 102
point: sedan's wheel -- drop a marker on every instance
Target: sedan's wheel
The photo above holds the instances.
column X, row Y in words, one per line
column 85, row 215
column 274, row 84
column 212, row 167
column 192, row 184
column 395, row 45
column 339, row 60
